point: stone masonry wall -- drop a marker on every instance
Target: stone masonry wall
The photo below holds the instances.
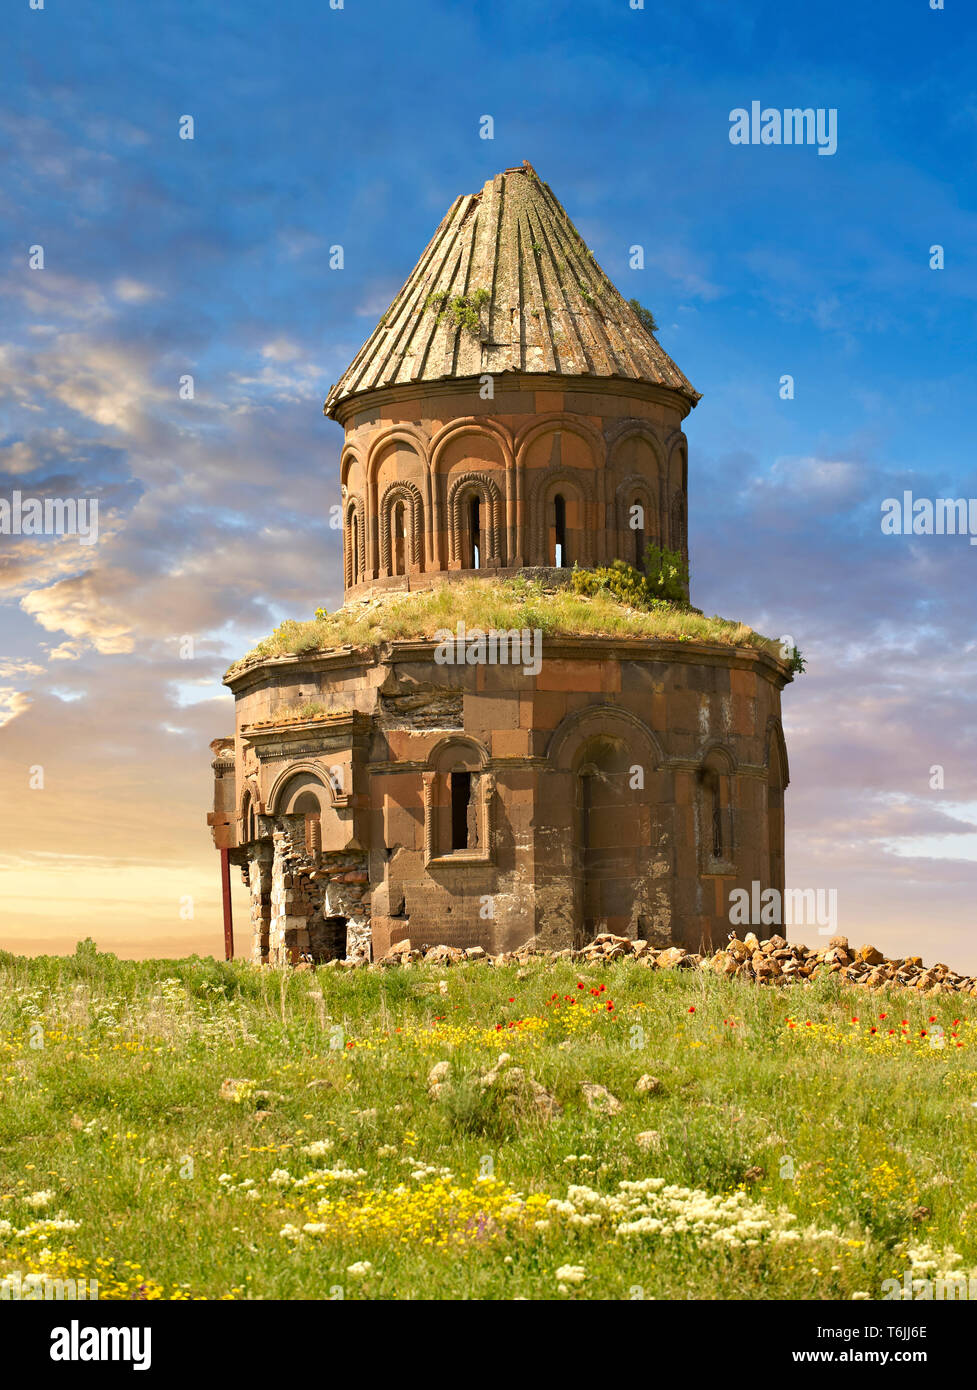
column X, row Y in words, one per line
column 309, row 895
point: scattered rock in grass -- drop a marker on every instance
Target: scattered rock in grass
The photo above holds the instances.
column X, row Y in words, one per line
column 647, row 1085
column 599, row 1098
column 649, row 1141
column 436, row 1078
column 514, row 1080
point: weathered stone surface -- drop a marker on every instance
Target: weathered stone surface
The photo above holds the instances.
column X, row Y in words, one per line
column 599, row 1098
column 647, row 1085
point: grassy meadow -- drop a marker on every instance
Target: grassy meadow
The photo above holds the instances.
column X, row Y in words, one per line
column 193, row 1129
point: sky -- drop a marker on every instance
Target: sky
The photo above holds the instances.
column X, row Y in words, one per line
column 313, row 126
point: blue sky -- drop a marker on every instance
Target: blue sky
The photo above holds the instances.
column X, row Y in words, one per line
column 316, row 127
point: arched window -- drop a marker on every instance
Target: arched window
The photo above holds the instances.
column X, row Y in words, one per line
column 398, row 539
column 457, row 799
column 713, row 811
column 474, row 533
column 637, row 514
column 715, row 815
column 464, row 827
column 560, row 558
column 354, row 545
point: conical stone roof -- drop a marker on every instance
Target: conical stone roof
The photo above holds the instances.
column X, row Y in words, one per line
column 507, row 284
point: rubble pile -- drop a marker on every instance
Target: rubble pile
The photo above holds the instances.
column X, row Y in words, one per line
column 773, row 961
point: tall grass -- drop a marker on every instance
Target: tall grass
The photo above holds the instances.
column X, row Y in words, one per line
column 114, row 1115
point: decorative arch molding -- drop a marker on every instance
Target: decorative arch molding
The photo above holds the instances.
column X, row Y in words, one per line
column 310, row 767
column 351, row 454
column 250, row 793
column 678, row 460
column 630, row 429
column 501, row 437
column 416, row 439
column 414, row 505
column 471, row 424
column 484, row 486
column 549, row 482
column 460, row 741
column 353, row 506
column 636, row 485
column 556, row 423
column 716, row 752
column 573, row 731
column 775, row 746
column 675, row 436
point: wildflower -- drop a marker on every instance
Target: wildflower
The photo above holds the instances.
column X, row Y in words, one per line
column 571, row 1274
column 318, row 1148
column 360, row 1269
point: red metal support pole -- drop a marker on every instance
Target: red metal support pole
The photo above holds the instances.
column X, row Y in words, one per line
column 226, row 894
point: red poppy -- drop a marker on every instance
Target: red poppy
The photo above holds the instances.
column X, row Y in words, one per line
column 691, row 1009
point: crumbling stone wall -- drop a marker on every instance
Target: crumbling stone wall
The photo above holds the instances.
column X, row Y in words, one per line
column 258, row 878
column 307, row 905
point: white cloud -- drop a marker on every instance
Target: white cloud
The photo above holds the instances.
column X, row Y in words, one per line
column 12, row 703
column 134, row 291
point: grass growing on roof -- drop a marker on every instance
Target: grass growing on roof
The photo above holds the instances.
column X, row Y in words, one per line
column 503, row 605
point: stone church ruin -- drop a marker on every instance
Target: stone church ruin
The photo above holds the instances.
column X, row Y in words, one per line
column 509, row 415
